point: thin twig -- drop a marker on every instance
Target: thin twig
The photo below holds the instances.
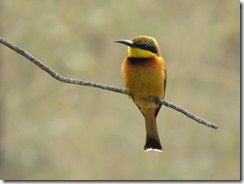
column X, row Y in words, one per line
column 184, row 111
column 101, row 86
column 56, row 75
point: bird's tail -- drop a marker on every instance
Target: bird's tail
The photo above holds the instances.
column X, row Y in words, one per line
column 152, row 138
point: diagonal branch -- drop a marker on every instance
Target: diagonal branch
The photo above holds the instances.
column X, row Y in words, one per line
column 101, row 86
column 183, row 111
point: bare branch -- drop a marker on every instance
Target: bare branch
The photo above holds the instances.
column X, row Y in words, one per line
column 184, row 111
column 56, row 75
column 101, row 86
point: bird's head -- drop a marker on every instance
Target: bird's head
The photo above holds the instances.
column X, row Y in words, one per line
column 141, row 47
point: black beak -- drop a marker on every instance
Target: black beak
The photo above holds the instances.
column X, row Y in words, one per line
column 126, row 42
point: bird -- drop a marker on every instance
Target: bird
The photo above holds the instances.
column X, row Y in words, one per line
column 145, row 75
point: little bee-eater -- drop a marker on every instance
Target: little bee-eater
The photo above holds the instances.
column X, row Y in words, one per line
column 145, row 75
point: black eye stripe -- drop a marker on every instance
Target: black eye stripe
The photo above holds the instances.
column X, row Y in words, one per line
column 147, row 47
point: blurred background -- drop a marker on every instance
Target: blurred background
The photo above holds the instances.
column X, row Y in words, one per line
column 52, row 130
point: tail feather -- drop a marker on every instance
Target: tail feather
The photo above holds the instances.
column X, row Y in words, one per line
column 152, row 138
column 152, row 144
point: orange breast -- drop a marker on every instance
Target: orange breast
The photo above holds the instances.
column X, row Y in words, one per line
column 145, row 76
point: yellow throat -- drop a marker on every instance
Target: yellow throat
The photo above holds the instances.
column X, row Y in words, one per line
column 139, row 53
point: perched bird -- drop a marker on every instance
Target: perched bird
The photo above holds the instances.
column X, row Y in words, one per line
column 145, row 75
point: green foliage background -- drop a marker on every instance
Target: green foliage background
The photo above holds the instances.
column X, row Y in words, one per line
column 52, row 130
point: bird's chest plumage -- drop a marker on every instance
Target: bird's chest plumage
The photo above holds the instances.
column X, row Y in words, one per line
column 145, row 76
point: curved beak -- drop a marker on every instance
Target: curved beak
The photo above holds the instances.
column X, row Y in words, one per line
column 126, row 42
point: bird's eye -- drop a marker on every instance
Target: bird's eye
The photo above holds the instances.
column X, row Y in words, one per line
column 149, row 47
